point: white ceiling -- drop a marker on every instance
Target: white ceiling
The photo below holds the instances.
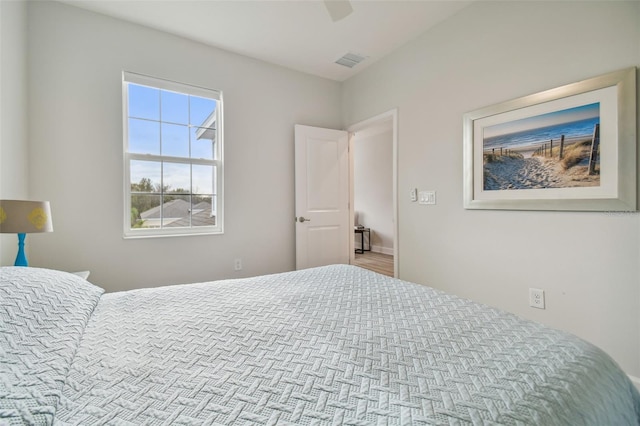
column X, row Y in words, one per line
column 297, row 34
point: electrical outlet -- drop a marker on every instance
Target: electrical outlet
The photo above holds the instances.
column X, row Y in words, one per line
column 536, row 298
column 237, row 264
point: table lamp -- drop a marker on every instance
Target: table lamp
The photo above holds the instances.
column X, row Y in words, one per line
column 23, row 217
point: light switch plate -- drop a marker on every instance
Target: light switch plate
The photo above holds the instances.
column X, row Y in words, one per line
column 427, row 197
column 413, row 194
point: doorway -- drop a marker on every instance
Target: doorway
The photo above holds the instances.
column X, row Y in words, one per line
column 373, row 193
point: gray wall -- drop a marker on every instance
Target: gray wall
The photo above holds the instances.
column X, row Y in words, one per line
column 75, row 113
column 587, row 263
column 14, row 167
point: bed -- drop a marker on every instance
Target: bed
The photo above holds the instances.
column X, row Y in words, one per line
column 335, row 345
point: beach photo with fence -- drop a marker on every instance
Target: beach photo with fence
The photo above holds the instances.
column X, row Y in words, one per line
column 559, row 149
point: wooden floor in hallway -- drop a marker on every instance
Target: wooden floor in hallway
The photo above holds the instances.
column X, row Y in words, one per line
column 377, row 262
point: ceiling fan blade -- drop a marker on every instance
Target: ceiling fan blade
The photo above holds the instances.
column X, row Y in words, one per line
column 338, row 9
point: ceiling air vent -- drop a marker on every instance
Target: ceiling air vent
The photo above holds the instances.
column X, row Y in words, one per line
column 350, row 60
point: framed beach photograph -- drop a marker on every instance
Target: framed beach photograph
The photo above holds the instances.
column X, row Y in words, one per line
column 568, row 148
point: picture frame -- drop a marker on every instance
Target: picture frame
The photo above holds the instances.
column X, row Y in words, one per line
column 569, row 148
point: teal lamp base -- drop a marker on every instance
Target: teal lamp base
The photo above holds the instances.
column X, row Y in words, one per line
column 21, row 258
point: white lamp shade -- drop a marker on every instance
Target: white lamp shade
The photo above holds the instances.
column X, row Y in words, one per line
column 25, row 217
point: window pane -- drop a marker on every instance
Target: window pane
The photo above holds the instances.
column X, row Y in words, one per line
column 145, row 176
column 176, row 211
column 175, row 140
column 144, row 102
column 171, row 126
column 202, row 142
column 175, row 107
column 202, row 179
column 202, row 111
column 177, row 177
column 144, row 136
column 145, row 211
column 201, row 211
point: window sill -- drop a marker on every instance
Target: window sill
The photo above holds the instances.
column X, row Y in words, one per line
column 173, row 233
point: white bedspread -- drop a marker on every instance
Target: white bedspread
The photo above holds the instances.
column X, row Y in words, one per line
column 332, row 345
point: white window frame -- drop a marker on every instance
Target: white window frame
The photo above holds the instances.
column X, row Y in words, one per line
column 217, row 162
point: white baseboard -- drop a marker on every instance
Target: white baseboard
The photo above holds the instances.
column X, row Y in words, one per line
column 383, row 250
column 635, row 380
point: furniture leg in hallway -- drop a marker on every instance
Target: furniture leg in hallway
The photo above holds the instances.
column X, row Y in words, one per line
column 362, row 231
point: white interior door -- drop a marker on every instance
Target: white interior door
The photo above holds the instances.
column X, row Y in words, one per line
column 322, row 196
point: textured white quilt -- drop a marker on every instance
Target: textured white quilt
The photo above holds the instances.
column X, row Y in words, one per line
column 332, row 345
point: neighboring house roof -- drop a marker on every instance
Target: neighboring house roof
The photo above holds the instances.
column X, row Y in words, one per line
column 175, row 208
column 207, row 129
column 202, row 205
column 176, row 213
column 198, row 218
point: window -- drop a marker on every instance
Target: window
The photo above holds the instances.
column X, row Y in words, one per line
column 173, row 158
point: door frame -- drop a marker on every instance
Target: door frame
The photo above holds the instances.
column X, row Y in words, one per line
column 352, row 129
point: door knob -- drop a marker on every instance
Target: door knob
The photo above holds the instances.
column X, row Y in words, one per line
column 302, row 219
